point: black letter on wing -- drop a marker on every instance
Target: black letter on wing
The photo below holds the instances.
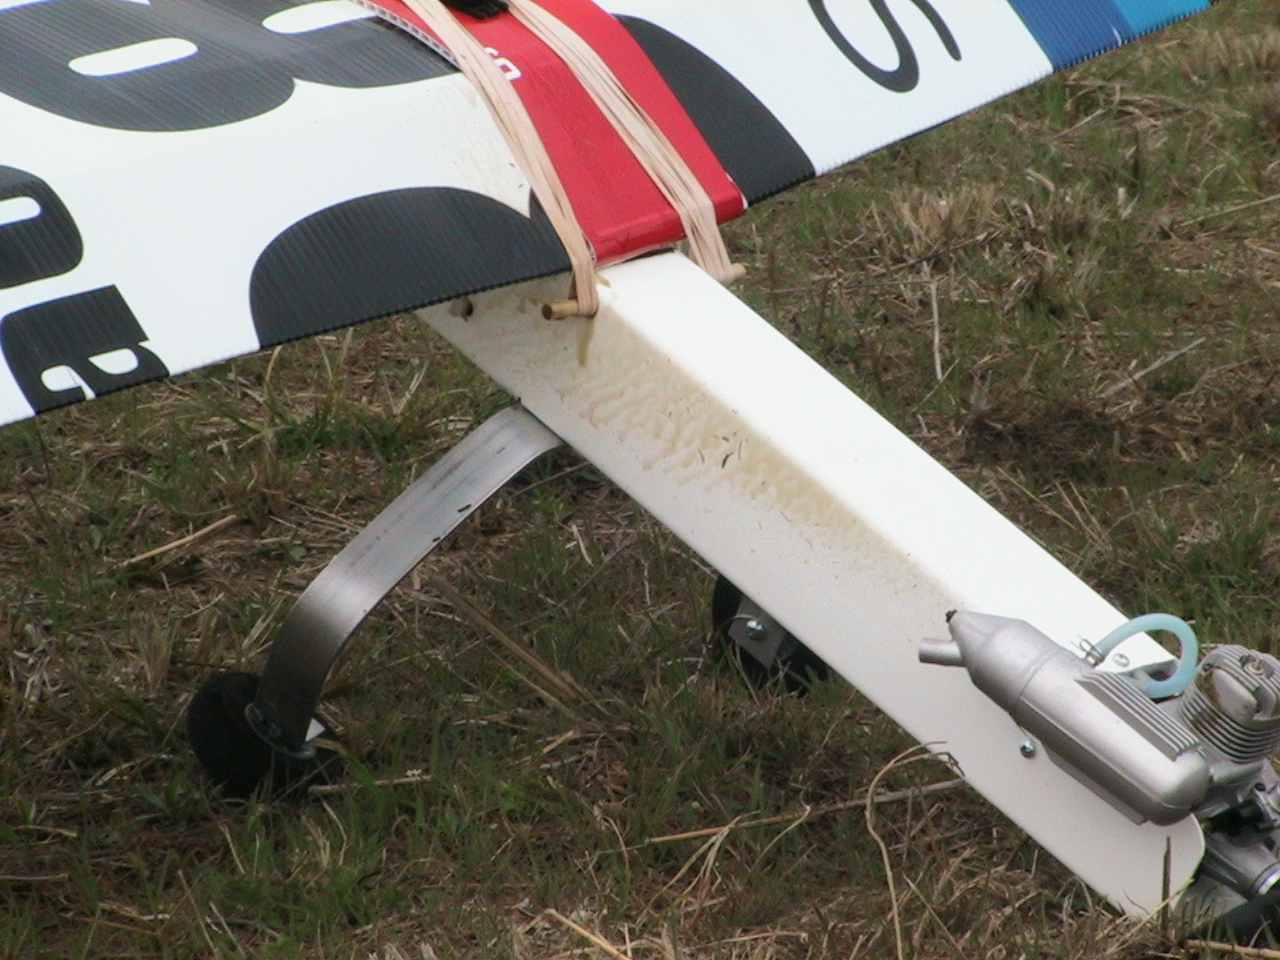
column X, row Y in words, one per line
column 907, row 74
column 34, row 243
column 76, row 333
column 195, row 64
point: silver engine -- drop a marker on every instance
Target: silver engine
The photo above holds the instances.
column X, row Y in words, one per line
column 1203, row 752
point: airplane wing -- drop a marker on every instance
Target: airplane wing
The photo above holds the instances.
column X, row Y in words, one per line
column 185, row 181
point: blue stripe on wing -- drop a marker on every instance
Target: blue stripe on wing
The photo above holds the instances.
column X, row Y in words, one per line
column 1072, row 32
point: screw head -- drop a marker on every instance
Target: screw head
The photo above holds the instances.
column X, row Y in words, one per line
column 1027, row 748
column 1254, row 666
column 755, row 630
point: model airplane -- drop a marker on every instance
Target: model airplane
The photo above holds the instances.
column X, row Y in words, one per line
column 182, row 182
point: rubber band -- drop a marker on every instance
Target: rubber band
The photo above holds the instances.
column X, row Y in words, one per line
column 646, row 140
column 518, row 129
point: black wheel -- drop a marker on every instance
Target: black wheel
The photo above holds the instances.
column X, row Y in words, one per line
column 763, row 648
column 232, row 754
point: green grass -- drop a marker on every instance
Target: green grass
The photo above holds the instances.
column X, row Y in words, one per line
column 1072, row 235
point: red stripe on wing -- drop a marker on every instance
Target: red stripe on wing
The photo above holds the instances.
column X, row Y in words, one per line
column 620, row 209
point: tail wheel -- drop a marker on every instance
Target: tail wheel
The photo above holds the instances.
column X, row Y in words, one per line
column 765, row 649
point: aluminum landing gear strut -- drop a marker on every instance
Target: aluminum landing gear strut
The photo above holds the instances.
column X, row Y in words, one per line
column 246, row 729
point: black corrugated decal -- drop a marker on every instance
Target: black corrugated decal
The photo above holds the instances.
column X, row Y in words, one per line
column 216, row 62
column 93, row 336
column 394, row 251
column 38, row 238
column 755, row 149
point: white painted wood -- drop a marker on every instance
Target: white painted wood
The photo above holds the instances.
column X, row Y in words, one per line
column 831, row 519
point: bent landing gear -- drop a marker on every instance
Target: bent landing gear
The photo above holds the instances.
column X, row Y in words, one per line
column 247, row 731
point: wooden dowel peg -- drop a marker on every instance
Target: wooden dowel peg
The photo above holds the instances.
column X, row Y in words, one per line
column 560, row 310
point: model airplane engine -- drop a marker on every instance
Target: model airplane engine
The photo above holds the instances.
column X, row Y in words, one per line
column 1234, row 704
column 1203, row 749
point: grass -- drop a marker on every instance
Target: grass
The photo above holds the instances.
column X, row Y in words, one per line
column 1108, row 339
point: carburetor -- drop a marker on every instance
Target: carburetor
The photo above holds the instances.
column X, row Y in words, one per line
column 1197, row 743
